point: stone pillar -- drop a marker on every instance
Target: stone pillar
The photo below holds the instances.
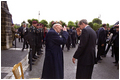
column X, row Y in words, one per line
column 6, row 34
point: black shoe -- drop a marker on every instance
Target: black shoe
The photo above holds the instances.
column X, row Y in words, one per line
column 32, row 63
column 111, row 55
column 22, row 49
column 100, row 59
column 38, row 53
column 33, row 60
column 41, row 51
column 26, row 48
column 115, row 62
column 35, row 57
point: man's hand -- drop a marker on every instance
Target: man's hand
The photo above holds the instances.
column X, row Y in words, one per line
column 64, row 29
column 73, row 60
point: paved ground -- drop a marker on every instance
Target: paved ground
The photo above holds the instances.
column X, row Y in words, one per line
column 103, row 70
column 11, row 57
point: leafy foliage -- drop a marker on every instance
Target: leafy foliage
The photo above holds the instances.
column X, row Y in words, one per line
column 96, row 26
column 16, row 26
column 97, row 20
column 76, row 24
column 71, row 24
column 90, row 24
column 30, row 21
column 44, row 22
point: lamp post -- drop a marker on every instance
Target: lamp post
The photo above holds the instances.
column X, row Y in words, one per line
column 99, row 18
column 38, row 15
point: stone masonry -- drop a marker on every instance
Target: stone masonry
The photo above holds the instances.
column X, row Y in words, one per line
column 6, row 21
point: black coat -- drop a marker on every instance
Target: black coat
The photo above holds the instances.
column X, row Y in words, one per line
column 115, row 37
column 86, row 49
column 31, row 36
column 53, row 67
column 25, row 33
column 101, row 36
column 86, row 53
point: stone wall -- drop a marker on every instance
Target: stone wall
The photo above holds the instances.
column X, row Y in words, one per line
column 6, row 34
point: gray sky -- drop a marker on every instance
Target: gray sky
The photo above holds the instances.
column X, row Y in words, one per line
column 65, row 10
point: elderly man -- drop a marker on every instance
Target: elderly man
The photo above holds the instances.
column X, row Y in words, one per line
column 53, row 63
column 85, row 52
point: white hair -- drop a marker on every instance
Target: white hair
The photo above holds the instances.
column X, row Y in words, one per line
column 57, row 24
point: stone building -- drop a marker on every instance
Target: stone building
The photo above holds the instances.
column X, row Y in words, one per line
column 6, row 21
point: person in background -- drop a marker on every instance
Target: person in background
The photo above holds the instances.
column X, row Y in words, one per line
column 39, row 39
column 24, row 33
column 20, row 31
column 13, row 33
column 85, row 53
column 115, row 31
column 101, row 42
column 44, row 34
column 31, row 38
column 78, row 34
column 73, row 37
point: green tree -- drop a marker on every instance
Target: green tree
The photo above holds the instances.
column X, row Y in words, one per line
column 30, row 21
column 44, row 22
column 76, row 24
column 111, row 26
column 16, row 26
column 50, row 24
column 62, row 23
column 96, row 26
column 90, row 24
column 71, row 24
column 107, row 25
column 97, row 20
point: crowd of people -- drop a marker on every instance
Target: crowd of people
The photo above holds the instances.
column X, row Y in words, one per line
column 37, row 35
column 107, row 38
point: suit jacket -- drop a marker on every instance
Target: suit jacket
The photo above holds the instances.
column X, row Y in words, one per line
column 86, row 49
column 115, row 37
column 25, row 32
column 101, row 36
column 31, row 36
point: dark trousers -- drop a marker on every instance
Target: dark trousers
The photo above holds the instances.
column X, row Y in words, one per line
column 116, row 51
column 73, row 42
column 101, row 51
column 108, row 47
column 25, row 43
column 38, row 48
column 33, row 49
column 21, row 38
column 84, row 71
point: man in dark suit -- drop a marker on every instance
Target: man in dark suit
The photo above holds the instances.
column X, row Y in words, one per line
column 53, row 67
column 86, row 51
column 73, row 36
column 25, row 32
column 20, row 30
column 39, row 39
column 115, row 31
column 101, row 42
